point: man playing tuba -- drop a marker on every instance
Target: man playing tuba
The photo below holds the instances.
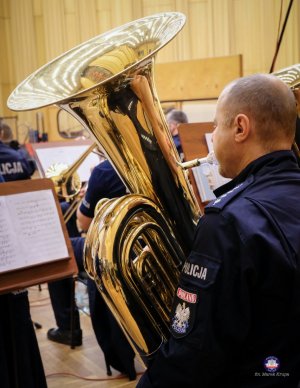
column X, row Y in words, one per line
column 244, row 314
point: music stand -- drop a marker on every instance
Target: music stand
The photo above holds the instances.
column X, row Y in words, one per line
column 193, row 142
column 39, row 272
column 17, row 201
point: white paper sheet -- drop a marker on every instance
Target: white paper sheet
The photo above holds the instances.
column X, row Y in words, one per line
column 68, row 155
column 30, row 230
column 207, row 176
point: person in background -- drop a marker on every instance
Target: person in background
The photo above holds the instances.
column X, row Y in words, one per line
column 14, row 165
column 175, row 117
column 236, row 314
column 104, row 182
column 20, row 360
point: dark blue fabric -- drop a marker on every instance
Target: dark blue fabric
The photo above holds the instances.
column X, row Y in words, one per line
column 60, row 292
column 251, row 311
column 20, row 361
column 14, row 144
column 104, row 182
column 71, row 224
column 117, row 351
column 177, row 142
column 13, row 165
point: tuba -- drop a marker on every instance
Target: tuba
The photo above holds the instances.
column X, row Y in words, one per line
column 290, row 76
column 136, row 244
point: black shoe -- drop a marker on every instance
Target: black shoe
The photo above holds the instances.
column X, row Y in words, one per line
column 64, row 336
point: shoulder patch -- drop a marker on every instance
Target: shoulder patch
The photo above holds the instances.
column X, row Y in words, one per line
column 200, row 270
column 184, row 311
column 219, row 203
column 86, row 203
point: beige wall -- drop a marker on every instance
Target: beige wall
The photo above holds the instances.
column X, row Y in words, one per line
column 32, row 32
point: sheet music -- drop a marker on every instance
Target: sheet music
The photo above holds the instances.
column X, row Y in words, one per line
column 68, row 155
column 30, row 230
column 207, row 176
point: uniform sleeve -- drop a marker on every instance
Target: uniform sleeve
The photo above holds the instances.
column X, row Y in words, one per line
column 26, row 167
column 31, row 164
column 13, row 166
column 95, row 191
column 211, row 311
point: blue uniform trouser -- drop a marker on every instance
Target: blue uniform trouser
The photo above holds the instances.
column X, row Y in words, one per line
column 117, row 351
column 62, row 291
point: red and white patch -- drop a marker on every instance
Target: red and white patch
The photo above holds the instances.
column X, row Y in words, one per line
column 186, row 296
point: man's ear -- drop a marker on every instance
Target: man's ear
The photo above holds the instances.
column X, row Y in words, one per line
column 242, row 127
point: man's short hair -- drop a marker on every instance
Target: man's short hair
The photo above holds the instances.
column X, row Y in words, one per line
column 178, row 116
column 267, row 101
column 6, row 134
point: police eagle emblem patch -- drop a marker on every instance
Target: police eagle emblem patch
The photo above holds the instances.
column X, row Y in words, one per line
column 183, row 312
column 181, row 320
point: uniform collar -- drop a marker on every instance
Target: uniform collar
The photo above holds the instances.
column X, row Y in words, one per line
column 259, row 166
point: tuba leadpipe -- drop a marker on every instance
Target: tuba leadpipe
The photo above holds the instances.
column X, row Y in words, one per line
column 136, row 244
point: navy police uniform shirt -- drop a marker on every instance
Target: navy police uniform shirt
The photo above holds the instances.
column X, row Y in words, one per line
column 104, row 182
column 13, row 166
column 236, row 315
column 177, row 143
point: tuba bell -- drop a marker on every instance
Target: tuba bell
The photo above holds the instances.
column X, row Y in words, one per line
column 290, row 76
column 136, row 244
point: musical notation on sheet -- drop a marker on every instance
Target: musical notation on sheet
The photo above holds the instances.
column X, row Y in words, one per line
column 30, row 230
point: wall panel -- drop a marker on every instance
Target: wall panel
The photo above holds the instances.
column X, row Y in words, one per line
column 87, row 26
column 32, row 32
column 220, row 14
column 55, row 28
column 200, row 33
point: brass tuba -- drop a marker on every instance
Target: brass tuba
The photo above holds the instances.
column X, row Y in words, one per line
column 290, row 76
column 136, row 244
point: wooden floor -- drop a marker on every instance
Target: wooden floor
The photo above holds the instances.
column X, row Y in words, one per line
column 81, row 367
